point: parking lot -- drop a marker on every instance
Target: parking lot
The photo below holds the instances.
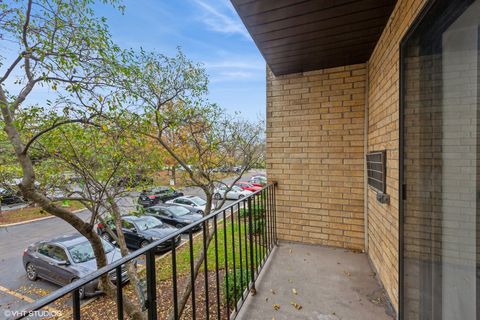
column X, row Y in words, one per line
column 16, row 290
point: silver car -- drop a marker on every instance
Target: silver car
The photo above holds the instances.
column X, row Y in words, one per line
column 68, row 258
column 190, row 202
column 235, row 193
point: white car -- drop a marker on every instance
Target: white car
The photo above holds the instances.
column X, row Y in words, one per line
column 191, row 202
column 235, row 193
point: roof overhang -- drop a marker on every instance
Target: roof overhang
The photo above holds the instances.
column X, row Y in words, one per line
column 303, row 35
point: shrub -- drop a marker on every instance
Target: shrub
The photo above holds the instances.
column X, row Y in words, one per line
column 257, row 211
column 258, row 226
column 235, row 289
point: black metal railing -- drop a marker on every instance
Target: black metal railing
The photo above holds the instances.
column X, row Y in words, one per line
column 242, row 234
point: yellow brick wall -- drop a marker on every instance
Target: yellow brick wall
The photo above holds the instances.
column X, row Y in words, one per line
column 315, row 147
column 383, row 133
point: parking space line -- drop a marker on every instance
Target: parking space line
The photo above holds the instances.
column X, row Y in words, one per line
column 25, row 298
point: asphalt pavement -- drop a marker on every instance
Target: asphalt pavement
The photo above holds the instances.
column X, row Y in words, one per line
column 16, row 290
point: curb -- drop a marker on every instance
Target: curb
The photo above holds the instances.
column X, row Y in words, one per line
column 34, row 220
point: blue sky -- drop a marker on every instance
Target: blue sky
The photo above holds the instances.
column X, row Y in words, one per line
column 208, row 32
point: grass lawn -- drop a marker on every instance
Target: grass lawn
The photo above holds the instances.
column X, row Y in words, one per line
column 164, row 265
column 29, row 213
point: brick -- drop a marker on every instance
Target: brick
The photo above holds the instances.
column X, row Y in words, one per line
column 315, row 200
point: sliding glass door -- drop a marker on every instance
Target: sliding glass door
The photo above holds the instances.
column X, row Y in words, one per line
column 440, row 157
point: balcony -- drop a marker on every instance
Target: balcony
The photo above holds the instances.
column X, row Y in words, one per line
column 247, row 274
column 302, row 281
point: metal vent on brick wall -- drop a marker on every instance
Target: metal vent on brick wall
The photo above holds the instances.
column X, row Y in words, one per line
column 376, row 173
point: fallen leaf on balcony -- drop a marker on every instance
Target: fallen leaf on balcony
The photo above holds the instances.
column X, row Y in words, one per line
column 377, row 300
column 294, row 291
column 290, row 280
column 272, row 291
column 348, row 274
column 266, row 299
column 276, row 306
column 253, row 291
column 290, row 251
column 296, row 305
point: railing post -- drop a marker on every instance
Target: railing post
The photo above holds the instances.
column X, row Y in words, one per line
column 205, row 267
column 151, row 286
column 250, row 229
column 225, row 253
column 217, row 276
column 174, row 280
column 274, row 189
column 192, row 275
column 233, row 260
column 119, row 293
column 76, row 304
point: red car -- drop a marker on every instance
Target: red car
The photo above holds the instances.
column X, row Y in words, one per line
column 248, row 186
column 256, row 184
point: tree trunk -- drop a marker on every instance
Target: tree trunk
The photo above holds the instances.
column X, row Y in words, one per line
column 131, row 270
column 173, row 175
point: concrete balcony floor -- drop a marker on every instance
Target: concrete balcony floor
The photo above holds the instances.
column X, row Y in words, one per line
column 329, row 283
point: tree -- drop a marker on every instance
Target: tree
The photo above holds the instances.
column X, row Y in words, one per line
column 63, row 46
column 170, row 92
column 105, row 161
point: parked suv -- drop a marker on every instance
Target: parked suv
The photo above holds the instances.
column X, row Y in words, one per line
column 141, row 231
column 157, row 195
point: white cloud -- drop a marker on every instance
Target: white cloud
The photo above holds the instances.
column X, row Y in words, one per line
column 238, row 74
column 236, row 68
column 219, row 20
column 232, row 75
column 236, row 64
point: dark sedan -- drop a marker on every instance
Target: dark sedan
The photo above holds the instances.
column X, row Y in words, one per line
column 141, row 231
column 65, row 259
column 157, row 195
column 174, row 215
column 9, row 197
